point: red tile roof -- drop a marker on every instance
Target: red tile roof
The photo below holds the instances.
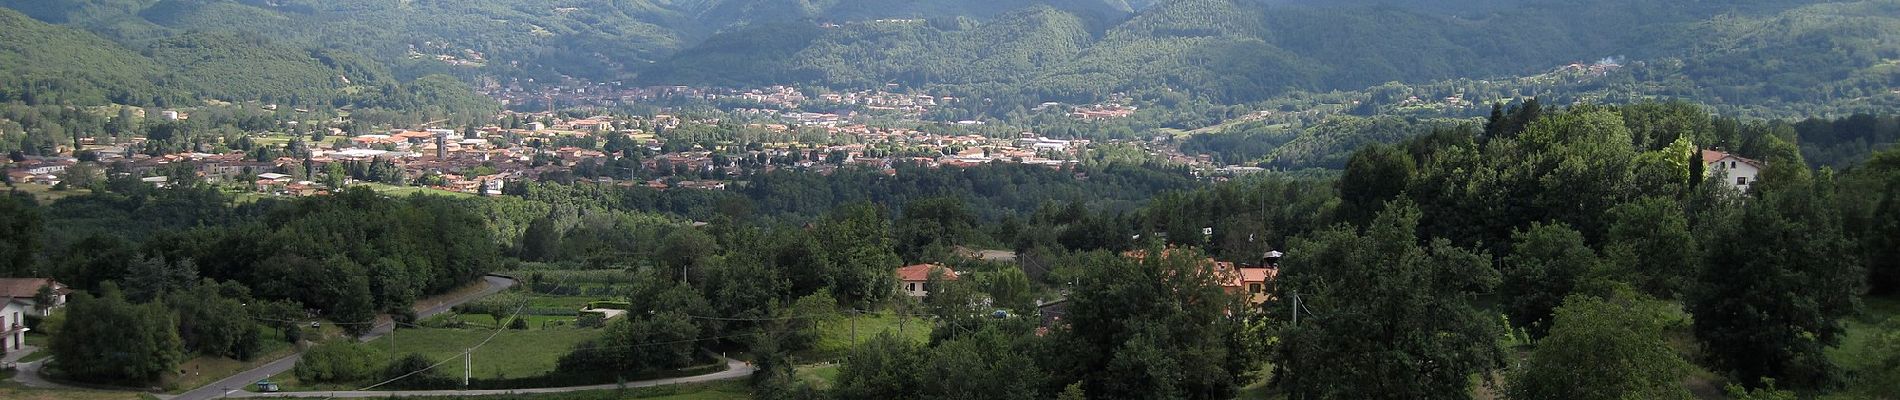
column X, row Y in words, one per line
column 1252, row 275
column 921, row 272
column 26, row 288
column 1711, row 156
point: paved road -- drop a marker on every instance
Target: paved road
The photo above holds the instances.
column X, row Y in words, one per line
column 231, row 385
column 734, row 369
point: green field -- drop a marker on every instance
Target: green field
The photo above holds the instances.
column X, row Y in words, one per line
column 821, row 376
column 535, row 322
column 574, row 302
column 45, row 194
column 400, row 191
column 513, row 353
column 1853, row 353
column 836, row 340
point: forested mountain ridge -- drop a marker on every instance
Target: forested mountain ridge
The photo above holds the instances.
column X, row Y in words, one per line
column 1246, row 50
column 51, row 64
column 38, row 56
column 1029, row 51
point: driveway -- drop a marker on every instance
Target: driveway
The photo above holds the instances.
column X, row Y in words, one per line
column 29, row 373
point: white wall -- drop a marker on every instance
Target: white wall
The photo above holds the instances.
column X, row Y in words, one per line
column 1740, row 173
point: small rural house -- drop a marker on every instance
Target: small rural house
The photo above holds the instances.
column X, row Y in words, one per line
column 911, row 279
column 27, row 289
column 1252, row 282
column 13, row 312
column 1741, row 172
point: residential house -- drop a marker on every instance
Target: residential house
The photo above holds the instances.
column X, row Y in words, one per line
column 1740, row 172
column 1252, row 282
column 27, row 289
column 911, row 279
column 12, row 322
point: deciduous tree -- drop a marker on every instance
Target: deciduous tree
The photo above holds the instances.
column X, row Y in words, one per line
column 1383, row 317
column 1605, row 350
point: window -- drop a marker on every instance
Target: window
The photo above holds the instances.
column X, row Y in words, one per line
column 1741, row 181
column 911, row 286
column 1254, row 288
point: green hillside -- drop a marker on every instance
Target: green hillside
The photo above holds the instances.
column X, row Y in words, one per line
column 1023, row 52
column 1248, row 50
column 42, row 63
column 39, row 64
column 231, row 67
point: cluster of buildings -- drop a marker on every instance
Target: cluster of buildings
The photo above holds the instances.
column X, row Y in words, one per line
column 880, row 100
column 781, row 98
column 483, row 160
column 1094, row 112
column 1100, row 112
column 1598, row 68
column 1456, row 100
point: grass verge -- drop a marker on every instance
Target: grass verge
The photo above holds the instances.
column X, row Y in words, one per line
column 204, row 370
column 13, row 391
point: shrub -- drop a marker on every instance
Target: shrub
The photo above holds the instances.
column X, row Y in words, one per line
column 342, row 361
column 590, row 320
column 518, row 323
column 616, row 305
column 403, row 315
column 411, row 363
column 445, row 320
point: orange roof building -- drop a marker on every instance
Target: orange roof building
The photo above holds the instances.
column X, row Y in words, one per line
column 911, row 279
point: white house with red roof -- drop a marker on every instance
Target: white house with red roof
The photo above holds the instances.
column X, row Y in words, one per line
column 1740, row 172
column 25, row 290
column 911, row 279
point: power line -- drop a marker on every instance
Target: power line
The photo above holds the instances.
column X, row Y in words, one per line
column 467, row 352
column 761, row 319
column 432, row 366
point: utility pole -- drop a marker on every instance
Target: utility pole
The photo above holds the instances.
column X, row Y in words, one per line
column 468, row 365
column 1296, row 308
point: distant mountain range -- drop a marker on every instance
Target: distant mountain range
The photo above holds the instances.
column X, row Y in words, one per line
column 1223, row 50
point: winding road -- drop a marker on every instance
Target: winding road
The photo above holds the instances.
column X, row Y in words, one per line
column 29, row 372
column 734, row 369
column 234, row 385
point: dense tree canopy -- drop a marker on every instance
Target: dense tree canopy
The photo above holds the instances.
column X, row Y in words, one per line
column 1382, row 316
column 1605, row 349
